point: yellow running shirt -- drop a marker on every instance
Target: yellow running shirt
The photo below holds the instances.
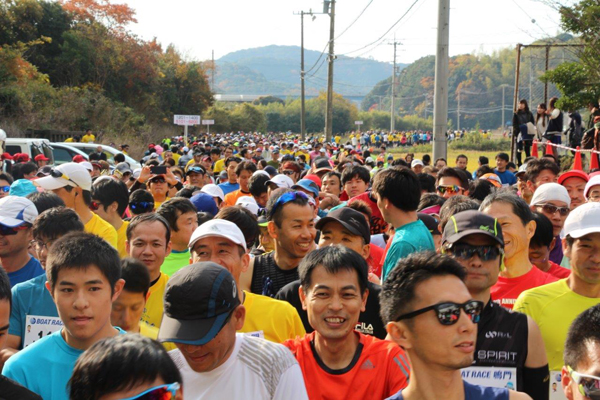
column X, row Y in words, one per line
column 271, row 319
column 553, row 307
column 152, row 333
column 121, row 239
column 100, row 227
column 153, row 311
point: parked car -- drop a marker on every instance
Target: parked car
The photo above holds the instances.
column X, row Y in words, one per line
column 64, row 153
column 31, row 147
column 110, row 152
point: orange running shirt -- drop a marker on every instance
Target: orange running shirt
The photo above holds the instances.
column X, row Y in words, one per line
column 379, row 369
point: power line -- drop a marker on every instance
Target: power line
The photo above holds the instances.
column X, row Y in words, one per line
column 353, row 22
column 386, row 32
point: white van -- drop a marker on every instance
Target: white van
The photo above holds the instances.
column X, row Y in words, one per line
column 31, row 147
column 110, row 152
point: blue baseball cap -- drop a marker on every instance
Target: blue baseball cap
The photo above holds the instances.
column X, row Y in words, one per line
column 22, row 187
column 307, row 184
column 204, row 202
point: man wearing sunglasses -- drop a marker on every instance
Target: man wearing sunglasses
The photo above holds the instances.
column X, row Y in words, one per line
column 202, row 315
column 556, row 305
column 508, row 341
column 553, row 200
column 5, row 181
column 73, row 184
column 518, row 227
column 195, row 175
column 451, row 182
column 581, row 371
column 430, row 313
column 17, row 215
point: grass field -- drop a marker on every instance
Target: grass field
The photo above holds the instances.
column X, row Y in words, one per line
column 473, row 156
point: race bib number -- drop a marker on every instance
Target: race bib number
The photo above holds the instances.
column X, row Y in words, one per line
column 556, row 389
column 491, row 376
column 258, row 334
column 38, row 326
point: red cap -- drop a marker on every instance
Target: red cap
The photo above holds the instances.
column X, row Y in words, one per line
column 290, row 165
column 315, row 179
column 6, row 156
column 572, row 174
column 21, row 157
column 79, row 158
column 41, row 157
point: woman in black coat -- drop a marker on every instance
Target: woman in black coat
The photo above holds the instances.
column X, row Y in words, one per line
column 520, row 120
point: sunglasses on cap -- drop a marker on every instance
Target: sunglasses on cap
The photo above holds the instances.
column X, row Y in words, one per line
column 588, row 385
column 197, row 170
column 10, row 231
column 448, row 313
column 552, row 209
column 286, row 198
column 5, row 189
column 450, row 189
column 57, row 174
column 141, row 206
column 162, row 392
column 467, row 251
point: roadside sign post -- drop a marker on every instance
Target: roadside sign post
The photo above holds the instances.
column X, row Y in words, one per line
column 358, row 124
column 186, row 120
column 208, row 123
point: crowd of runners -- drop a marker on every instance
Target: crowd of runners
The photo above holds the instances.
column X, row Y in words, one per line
column 251, row 266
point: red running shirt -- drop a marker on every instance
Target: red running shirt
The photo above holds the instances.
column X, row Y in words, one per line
column 506, row 290
column 379, row 369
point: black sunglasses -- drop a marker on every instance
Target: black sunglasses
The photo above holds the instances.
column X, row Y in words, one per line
column 448, row 313
column 57, row 174
column 551, row 209
column 467, row 251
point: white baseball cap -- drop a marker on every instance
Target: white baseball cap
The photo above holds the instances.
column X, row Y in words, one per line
column 261, row 172
column 416, row 162
column 594, row 181
column 582, row 221
column 16, row 210
column 220, row 228
column 88, row 165
column 68, row 174
column 548, row 192
column 213, row 190
column 248, row 203
column 282, row 181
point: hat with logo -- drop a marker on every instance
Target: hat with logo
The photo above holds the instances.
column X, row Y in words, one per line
column 492, row 178
column 220, row 228
column 198, row 299
column 68, row 174
column 213, row 190
column 308, row 185
column 248, row 203
column 41, row 157
column 282, row 181
column 414, row 162
column 582, row 221
column 204, row 202
column 22, row 187
column 471, row 222
column 16, row 211
column 355, row 222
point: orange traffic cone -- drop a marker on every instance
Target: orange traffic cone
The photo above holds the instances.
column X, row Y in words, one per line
column 550, row 149
column 594, row 162
column 534, row 149
column 577, row 165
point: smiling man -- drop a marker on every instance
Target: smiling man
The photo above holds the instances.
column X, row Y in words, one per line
column 84, row 278
column 336, row 361
column 203, row 311
column 292, row 227
column 574, row 181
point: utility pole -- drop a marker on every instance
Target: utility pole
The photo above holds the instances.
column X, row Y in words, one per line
column 393, row 106
column 440, row 101
column 212, row 85
column 503, row 87
column 546, row 70
column 530, row 80
column 302, row 94
column 331, row 57
column 458, row 112
column 513, row 149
